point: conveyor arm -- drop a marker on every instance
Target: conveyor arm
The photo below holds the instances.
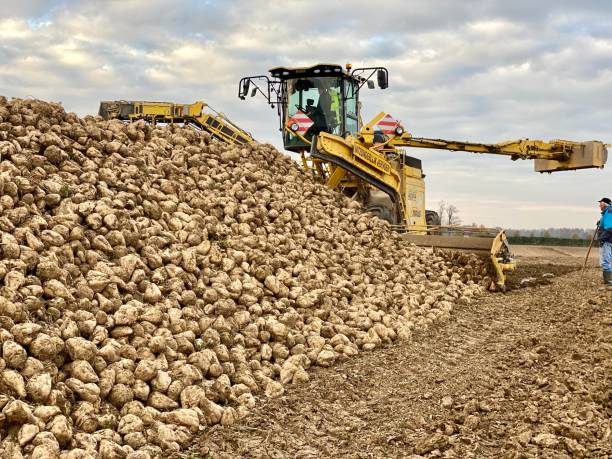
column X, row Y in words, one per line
column 216, row 124
column 555, row 155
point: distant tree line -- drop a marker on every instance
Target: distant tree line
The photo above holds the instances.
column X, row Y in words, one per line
column 557, row 233
column 449, row 215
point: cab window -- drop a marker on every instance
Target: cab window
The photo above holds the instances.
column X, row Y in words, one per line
column 350, row 108
column 320, row 100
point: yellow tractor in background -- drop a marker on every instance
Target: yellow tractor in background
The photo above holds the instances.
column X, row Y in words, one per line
column 199, row 115
column 319, row 113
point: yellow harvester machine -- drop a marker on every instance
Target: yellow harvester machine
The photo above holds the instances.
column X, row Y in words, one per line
column 319, row 112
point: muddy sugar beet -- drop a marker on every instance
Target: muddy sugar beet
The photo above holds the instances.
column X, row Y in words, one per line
column 155, row 282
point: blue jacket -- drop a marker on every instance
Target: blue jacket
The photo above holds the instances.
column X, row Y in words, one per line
column 604, row 230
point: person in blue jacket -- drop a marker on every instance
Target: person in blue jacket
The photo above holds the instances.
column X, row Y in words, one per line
column 604, row 235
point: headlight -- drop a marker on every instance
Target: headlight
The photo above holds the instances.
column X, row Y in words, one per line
column 399, row 130
column 294, row 127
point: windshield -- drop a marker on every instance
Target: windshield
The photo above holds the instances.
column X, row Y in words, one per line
column 319, row 98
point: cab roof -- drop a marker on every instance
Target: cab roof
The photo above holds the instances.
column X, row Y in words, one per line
column 318, row 70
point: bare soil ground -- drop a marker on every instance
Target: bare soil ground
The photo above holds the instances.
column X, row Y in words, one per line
column 517, row 375
column 537, row 263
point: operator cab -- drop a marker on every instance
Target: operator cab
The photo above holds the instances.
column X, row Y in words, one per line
column 311, row 100
column 322, row 98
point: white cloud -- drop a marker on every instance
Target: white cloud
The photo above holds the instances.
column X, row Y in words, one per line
column 14, row 29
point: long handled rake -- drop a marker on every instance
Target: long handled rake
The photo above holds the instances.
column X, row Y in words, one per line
column 586, row 259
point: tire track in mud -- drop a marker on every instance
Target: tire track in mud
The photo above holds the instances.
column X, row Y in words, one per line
column 527, row 374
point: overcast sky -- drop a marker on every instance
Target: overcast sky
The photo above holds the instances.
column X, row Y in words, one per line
column 464, row 70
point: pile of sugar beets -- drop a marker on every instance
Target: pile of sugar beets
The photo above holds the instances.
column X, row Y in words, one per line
column 154, row 281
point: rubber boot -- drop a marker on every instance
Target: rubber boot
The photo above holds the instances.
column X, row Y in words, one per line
column 607, row 277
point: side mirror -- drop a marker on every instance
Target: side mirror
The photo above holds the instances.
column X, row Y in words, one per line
column 246, row 84
column 370, row 84
column 383, row 82
column 253, row 92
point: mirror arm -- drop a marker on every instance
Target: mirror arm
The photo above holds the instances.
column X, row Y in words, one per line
column 356, row 73
column 271, row 87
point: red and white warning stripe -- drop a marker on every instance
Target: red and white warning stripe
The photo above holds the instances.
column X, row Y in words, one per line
column 387, row 125
column 303, row 122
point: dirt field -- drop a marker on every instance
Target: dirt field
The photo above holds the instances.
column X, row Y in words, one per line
column 542, row 255
column 536, row 263
column 517, row 375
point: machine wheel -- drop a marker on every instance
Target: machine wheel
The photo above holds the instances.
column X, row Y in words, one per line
column 432, row 218
column 382, row 213
column 379, row 203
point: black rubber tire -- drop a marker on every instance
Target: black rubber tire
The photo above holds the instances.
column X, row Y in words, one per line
column 383, row 213
column 380, row 204
column 432, row 218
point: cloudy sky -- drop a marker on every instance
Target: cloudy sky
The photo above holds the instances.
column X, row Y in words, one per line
column 482, row 70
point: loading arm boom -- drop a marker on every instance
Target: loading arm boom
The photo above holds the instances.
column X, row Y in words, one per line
column 216, row 124
column 555, row 155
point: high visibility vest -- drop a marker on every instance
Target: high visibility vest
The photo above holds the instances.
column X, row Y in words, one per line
column 335, row 105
